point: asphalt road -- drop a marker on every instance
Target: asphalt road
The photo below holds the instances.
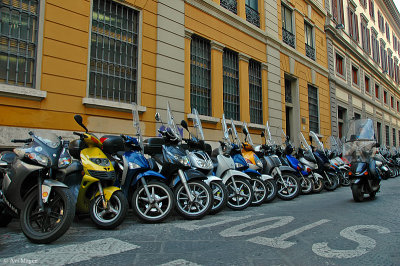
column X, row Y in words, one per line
column 320, row 229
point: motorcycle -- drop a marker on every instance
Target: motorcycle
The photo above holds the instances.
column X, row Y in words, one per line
column 151, row 198
column 95, row 192
column 287, row 183
column 30, row 190
column 201, row 161
column 359, row 150
column 194, row 198
column 333, row 152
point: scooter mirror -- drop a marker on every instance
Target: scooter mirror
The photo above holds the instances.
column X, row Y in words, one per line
column 245, row 131
column 230, row 131
column 79, row 120
column 158, row 117
column 262, row 134
column 184, row 125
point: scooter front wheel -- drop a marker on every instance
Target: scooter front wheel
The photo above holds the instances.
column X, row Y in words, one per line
column 271, row 190
column 202, row 200
column 260, row 191
column 113, row 215
column 220, row 194
column 158, row 207
column 288, row 186
column 306, row 185
column 45, row 226
column 356, row 190
column 318, row 185
column 240, row 193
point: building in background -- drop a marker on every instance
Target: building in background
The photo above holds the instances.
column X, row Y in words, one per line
column 364, row 51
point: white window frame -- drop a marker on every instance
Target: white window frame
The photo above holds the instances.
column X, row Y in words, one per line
column 337, row 74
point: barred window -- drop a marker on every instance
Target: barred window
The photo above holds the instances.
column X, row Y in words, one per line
column 394, row 137
column 231, row 84
column 114, row 52
column 387, row 135
column 255, row 87
column 18, row 42
column 200, row 75
column 313, row 108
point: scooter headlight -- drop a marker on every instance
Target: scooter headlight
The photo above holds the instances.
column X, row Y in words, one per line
column 239, row 165
column 183, row 160
column 39, row 158
column 100, row 161
column 258, row 161
column 64, row 161
column 133, row 165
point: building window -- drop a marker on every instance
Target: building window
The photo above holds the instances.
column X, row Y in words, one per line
column 309, row 36
column 365, row 37
column 375, row 47
column 313, row 109
column 383, row 58
column 394, row 137
column 363, row 3
column 366, row 84
column 353, row 24
column 354, row 74
column 398, row 107
column 391, row 101
column 231, row 5
column 385, row 97
column 200, row 75
column 337, row 11
column 387, row 31
column 255, row 93
column 342, row 114
column 231, row 84
column 371, row 9
column 387, row 135
column 377, row 91
column 18, row 42
column 288, row 91
column 357, row 116
column 252, row 14
column 381, row 22
column 114, row 52
column 339, row 64
column 287, row 27
column 379, row 132
column 390, row 64
column 394, row 42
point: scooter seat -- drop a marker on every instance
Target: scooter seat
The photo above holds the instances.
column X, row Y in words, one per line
column 159, row 158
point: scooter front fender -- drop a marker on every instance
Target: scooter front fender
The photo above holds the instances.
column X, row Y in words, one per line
column 212, row 178
column 47, row 185
column 108, row 191
column 266, row 177
column 228, row 174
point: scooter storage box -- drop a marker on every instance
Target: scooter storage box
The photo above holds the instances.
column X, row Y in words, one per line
column 112, row 144
column 153, row 145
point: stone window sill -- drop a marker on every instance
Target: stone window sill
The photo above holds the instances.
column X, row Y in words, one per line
column 204, row 118
column 116, row 106
column 22, row 92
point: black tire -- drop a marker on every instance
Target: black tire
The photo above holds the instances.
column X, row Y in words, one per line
column 203, row 201
column 5, row 218
column 108, row 220
column 242, row 199
column 260, row 191
column 345, row 181
column 318, row 185
column 220, row 193
column 307, row 185
column 288, row 186
column 271, row 186
column 358, row 195
column 158, row 210
column 62, row 208
column 372, row 195
column 330, row 186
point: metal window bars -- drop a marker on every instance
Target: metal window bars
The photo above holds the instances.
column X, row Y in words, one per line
column 313, row 109
column 252, row 16
column 310, row 52
column 288, row 91
column 288, row 37
column 18, row 41
column 255, row 92
column 114, row 52
column 231, row 5
column 200, row 75
column 231, row 84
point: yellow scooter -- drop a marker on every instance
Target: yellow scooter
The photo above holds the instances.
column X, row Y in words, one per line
column 105, row 203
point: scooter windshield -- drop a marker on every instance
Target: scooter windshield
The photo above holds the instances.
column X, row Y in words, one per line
column 197, row 125
column 235, row 134
column 270, row 141
column 249, row 140
column 316, row 141
column 171, row 123
column 360, row 141
column 225, row 129
column 49, row 139
column 332, row 145
column 306, row 147
column 136, row 124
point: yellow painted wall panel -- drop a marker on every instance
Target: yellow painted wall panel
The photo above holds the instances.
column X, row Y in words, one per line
column 67, row 18
column 149, row 85
column 149, row 44
column 63, row 85
column 6, row 101
column 149, row 58
column 78, row 6
column 150, row 18
column 64, row 68
column 149, row 31
column 63, row 103
column 148, row 71
column 65, row 34
column 65, row 51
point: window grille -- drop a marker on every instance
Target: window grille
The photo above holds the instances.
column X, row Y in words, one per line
column 200, row 75
column 394, row 137
column 255, row 94
column 387, row 135
column 252, row 14
column 231, row 5
column 287, row 27
column 231, row 84
column 313, row 108
column 18, row 41
column 114, row 52
column 310, row 49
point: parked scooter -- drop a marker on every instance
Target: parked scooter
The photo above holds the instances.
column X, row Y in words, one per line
column 194, row 198
column 96, row 193
column 359, row 150
column 29, row 190
column 240, row 192
column 201, row 161
column 151, row 198
column 287, row 183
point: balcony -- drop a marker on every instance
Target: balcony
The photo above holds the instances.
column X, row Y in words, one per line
column 310, row 52
column 231, row 5
column 252, row 16
column 288, row 37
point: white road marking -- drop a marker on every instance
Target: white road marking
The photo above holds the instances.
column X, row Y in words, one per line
column 180, row 262
column 193, row 225
column 72, row 253
column 235, row 230
column 280, row 242
column 365, row 244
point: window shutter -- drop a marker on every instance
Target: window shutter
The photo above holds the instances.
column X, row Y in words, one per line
column 368, row 42
column 356, row 27
column 335, row 10
column 350, row 24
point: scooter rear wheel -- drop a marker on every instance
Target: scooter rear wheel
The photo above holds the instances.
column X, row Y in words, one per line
column 220, row 193
column 307, row 185
column 241, row 198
